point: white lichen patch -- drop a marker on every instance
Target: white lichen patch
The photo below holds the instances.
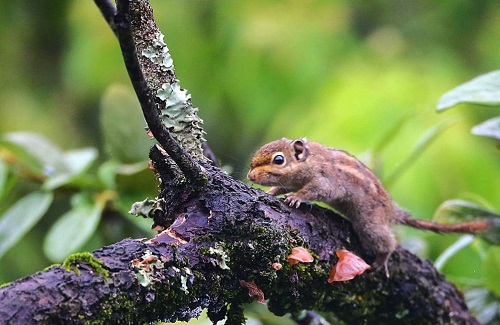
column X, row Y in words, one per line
column 146, row 268
column 146, row 208
column 177, row 113
column 159, row 53
column 220, row 257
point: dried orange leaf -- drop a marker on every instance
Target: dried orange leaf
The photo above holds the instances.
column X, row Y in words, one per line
column 348, row 266
column 254, row 291
column 300, row 254
column 277, row 266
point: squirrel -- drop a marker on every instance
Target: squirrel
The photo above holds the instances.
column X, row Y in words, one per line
column 309, row 171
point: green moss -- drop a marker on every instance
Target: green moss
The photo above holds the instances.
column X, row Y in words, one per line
column 51, row 266
column 71, row 262
column 235, row 315
column 5, row 284
column 109, row 308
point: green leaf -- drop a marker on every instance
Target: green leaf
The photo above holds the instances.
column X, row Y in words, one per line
column 80, row 160
column 390, row 134
column 34, row 151
column 373, row 158
column 491, row 265
column 123, row 126
column 461, row 210
column 131, row 169
column 462, row 242
column 483, row 90
column 75, row 163
column 42, row 156
column 484, row 304
column 108, row 171
column 73, row 229
column 453, row 211
column 489, row 128
column 422, row 144
column 490, row 314
column 4, row 172
column 21, row 217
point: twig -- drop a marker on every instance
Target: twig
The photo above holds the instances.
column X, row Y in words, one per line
column 108, row 10
column 188, row 166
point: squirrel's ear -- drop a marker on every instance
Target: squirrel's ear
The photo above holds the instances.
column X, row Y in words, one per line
column 300, row 149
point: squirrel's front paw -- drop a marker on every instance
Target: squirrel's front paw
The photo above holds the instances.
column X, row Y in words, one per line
column 293, row 200
column 273, row 190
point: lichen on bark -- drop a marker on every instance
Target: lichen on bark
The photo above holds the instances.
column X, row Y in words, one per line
column 173, row 102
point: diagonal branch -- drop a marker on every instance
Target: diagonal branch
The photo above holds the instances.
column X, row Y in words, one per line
column 189, row 167
column 108, row 11
column 119, row 21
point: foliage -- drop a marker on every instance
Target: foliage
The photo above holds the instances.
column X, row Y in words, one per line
column 482, row 90
column 21, row 217
column 58, row 173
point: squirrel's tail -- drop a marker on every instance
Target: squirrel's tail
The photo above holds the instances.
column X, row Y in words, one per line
column 468, row 227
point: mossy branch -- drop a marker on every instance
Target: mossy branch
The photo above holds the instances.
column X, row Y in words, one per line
column 230, row 232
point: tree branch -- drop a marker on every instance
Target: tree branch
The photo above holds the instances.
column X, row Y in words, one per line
column 119, row 20
column 189, row 167
column 108, row 11
column 227, row 233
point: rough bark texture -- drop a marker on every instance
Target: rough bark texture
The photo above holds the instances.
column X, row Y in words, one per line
column 225, row 233
column 217, row 235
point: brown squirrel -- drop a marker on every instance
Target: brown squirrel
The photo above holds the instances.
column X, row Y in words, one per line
column 318, row 173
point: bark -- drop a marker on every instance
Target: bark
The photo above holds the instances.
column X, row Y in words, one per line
column 222, row 234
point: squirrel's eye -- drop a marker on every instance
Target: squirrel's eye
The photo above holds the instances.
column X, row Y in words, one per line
column 278, row 160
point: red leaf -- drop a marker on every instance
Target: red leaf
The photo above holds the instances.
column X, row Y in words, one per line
column 277, row 266
column 300, row 254
column 348, row 266
column 254, row 291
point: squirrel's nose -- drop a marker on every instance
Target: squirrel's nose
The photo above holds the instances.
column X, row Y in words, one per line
column 251, row 177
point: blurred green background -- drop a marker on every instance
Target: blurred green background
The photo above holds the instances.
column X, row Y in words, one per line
column 344, row 73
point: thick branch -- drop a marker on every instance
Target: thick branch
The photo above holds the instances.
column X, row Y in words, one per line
column 227, row 233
